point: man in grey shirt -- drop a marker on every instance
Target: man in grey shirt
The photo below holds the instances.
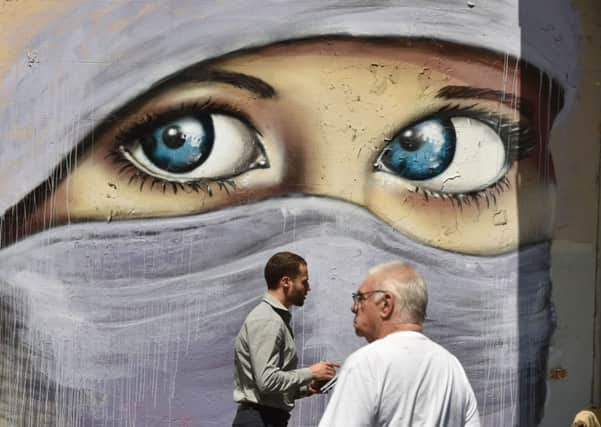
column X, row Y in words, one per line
column 266, row 378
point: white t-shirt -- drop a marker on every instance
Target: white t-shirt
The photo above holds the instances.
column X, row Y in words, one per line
column 403, row 379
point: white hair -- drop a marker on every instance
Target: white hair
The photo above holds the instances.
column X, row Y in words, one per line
column 407, row 286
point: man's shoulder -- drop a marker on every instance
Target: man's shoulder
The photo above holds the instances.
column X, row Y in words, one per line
column 442, row 352
column 368, row 358
column 427, row 345
column 406, row 349
column 364, row 354
column 262, row 312
column 436, row 353
column 389, row 348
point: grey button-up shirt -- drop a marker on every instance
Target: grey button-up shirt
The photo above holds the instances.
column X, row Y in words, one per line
column 265, row 359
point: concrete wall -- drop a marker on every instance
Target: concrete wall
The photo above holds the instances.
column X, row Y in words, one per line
column 124, row 275
column 575, row 245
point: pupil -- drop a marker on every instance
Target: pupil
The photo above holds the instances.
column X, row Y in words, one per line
column 410, row 141
column 173, row 137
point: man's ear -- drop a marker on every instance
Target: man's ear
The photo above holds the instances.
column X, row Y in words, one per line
column 285, row 283
column 387, row 306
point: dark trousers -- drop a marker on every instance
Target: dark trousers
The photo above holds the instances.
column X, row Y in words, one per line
column 251, row 415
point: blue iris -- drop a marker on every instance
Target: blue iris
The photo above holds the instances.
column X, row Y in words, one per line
column 422, row 151
column 180, row 145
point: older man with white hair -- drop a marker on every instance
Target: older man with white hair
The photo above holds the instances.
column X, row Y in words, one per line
column 401, row 378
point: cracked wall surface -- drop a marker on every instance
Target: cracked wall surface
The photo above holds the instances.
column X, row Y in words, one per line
column 155, row 155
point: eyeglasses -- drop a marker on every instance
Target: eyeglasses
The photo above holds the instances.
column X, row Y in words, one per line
column 360, row 296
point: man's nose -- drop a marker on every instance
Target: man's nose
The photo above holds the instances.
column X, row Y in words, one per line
column 354, row 308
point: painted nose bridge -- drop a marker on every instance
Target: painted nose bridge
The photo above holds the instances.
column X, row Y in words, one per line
column 334, row 166
column 331, row 142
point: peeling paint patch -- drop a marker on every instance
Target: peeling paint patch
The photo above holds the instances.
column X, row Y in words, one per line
column 500, row 218
column 32, row 58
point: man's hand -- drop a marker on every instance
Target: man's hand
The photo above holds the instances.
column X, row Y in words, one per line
column 324, row 371
column 314, row 387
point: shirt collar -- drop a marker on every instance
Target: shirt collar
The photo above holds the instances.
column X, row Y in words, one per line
column 272, row 301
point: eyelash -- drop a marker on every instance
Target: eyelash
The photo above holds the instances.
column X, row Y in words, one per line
column 149, row 121
column 201, row 185
column 519, row 138
column 520, row 141
column 460, row 200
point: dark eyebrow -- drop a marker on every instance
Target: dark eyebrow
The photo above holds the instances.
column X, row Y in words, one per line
column 466, row 92
column 239, row 80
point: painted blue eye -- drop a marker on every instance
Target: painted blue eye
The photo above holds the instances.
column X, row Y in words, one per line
column 453, row 154
column 195, row 147
column 180, row 145
column 422, row 151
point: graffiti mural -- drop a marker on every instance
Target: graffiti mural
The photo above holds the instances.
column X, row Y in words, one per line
column 157, row 153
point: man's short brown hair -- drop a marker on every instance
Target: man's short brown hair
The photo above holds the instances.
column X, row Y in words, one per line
column 280, row 265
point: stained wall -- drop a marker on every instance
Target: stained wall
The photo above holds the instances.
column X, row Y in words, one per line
column 127, row 270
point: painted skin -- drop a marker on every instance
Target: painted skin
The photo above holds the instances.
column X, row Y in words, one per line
column 318, row 117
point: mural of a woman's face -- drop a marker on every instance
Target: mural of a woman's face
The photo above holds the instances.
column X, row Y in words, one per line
column 127, row 273
column 431, row 137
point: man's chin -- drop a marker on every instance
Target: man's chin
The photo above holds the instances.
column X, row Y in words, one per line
column 362, row 334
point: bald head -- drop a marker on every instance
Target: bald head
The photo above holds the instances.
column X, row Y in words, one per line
column 406, row 285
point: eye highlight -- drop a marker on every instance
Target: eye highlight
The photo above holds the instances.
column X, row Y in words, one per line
column 191, row 146
column 456, row 151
